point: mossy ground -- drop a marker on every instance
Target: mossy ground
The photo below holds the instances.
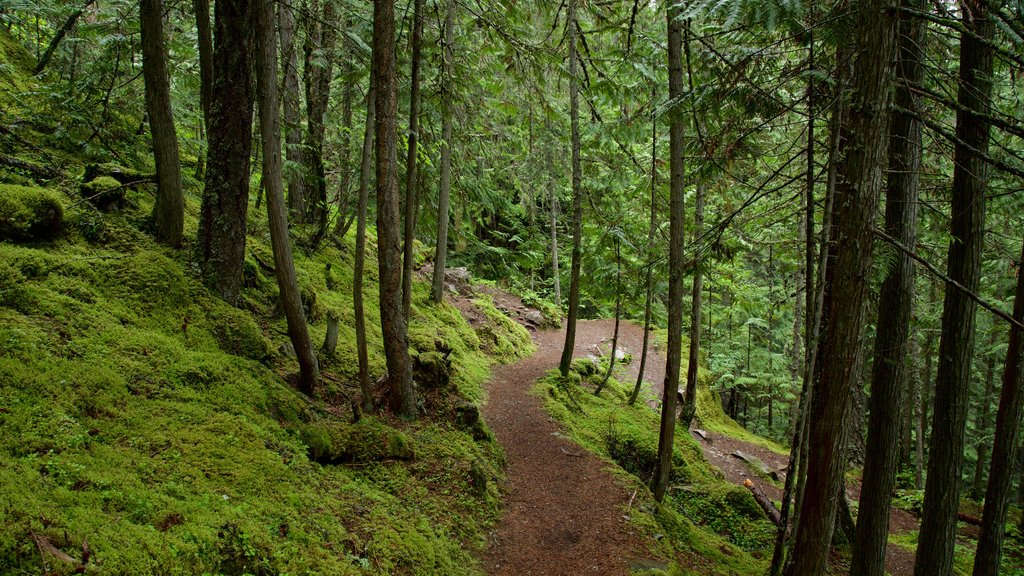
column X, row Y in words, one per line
column 708, row 525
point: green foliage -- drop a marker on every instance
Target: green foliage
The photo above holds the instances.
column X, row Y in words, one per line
column 29, row 214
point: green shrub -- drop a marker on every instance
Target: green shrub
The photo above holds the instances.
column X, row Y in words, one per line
column 28, row 214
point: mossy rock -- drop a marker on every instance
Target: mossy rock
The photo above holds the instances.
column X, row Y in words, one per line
column 742, row 501
column 584, row 367
column 369, row 440
column 119, row 174
column 237, row 333
column 29, row 214
column 432, row 370
column 155, row 280
column 104, row 192
column 467, row 416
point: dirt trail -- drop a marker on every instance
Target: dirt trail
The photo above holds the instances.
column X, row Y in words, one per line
column 565, row 510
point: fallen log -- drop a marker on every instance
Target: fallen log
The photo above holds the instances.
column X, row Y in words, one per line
column 764, row 502
column 968, row 519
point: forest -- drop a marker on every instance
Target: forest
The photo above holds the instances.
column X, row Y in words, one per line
column 701, row 287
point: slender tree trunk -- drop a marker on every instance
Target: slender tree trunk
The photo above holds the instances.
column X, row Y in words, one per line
column 222, row 217
column 956, row 344
column 676, row 266
column 926, row 387
column 983, row 424
column 343, row 220
column 292, row 116
column 690, row 399
column 169, row 209
column 652, row 229
column 270, row 129
column 1005, row 449
column 59, row 37
column 858, row 187
column 444, row 188
column 618, row 316
column 577, row 198
column 389, row 259
column 555, row 274
column 205, row 41
column 365, row 166
column 411, row 199
column 895, row 306
column 319, row 68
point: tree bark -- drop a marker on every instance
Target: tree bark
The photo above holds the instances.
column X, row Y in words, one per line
column 666, row 435
column 270, row 130
column 895, row 306
column 577, row 198
column 444, row 188
column 222, row 217
column 389, row 260
column 1005, row 448
column 956, row 344
column 411, row 198
column 292, row 120
column 690, row 398
column 859, row 182
column 365, row 167
column 169, row 209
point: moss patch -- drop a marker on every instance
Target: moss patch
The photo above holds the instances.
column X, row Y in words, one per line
column 28, row 214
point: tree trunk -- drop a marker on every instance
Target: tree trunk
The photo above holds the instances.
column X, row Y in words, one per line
column 389, row 260
column 169, row 208
column 577, row 198
column 59, row 37
column 411, row 198
column 222, row 217
column 319, row 69
column 292, row 120
column 983, row 424
column 618, row 317
column 444, row 187
column 343, row 200
column 676, row 266
column 859, row 182
column 926, row 387
column 895, row 306
column 690, row 399
column 205, row 41
column 365, row 167
column 956, row 344
column 648, row 252
column 555, row 274
column 270, row 130
column 1004, row 451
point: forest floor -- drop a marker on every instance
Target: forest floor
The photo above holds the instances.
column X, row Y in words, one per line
column 564, row 510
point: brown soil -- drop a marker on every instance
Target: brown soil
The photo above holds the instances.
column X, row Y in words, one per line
column 565, row 511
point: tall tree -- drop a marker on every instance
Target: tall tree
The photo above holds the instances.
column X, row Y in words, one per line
column 652, row 229
column 858, row 186
column 222, row 217
column 956, row 343
column 676, row 267
column 895, row 306
column 389, row 259
column 169, row 209
column 357, row 276
column 444, row 189
column 411, row 201
column 270, row 131
column 577, row 197
column 292, row 114
column 204, row 39
column 1005, row 449
column 690, row 398
column 984, row 421
column 321, row 27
